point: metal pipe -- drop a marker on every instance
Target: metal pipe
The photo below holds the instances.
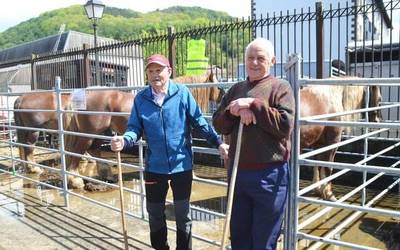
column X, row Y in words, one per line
column 353, row 124
column 334, row 176
column 353, row 81
column 355, row 215
column 356, row 111
column 358, row 168
column 363, row 194
column 96, row 55
column 334, row 242
column 61, row 141
column 291, row 218
column 319, row 31
column 338, row 144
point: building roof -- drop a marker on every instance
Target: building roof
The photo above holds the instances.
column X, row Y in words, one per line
column 381, row 7
column 55, row 43
column 376, row 44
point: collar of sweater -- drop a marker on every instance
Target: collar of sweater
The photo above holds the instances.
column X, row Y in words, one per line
column 255, row 82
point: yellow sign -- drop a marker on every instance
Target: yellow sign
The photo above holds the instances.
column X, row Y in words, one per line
column 197, row 62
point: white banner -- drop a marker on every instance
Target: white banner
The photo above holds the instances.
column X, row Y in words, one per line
column 78, row 99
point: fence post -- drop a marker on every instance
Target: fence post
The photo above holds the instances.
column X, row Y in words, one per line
column 86, row 67
column 172, row 49
column 253, row 19
column 60, row 116
column 10, row 131
column 319, row 26
column 33, row 72
column 292, row 69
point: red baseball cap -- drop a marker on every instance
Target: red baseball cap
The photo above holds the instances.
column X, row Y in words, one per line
column 158, row 59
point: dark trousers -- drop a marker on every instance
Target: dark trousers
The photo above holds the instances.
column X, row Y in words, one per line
column 156, row 192
column 258, row 207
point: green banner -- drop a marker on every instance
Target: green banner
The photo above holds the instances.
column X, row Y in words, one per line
column 197, row 63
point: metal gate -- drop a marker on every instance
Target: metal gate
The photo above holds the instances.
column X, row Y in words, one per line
column 199, row 212
column 296, row 221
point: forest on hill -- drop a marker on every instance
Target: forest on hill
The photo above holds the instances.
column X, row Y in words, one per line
column 120, row 24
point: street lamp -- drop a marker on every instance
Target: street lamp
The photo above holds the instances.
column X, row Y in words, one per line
column 94, row 11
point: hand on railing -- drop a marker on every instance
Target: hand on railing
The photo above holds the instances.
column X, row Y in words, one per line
column 117, row 143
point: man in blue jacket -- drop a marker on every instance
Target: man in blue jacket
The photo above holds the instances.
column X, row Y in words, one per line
column 164, row 113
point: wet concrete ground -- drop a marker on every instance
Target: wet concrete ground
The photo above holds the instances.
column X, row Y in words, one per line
column 369, row 230
column 33, row 217
column 36, row 219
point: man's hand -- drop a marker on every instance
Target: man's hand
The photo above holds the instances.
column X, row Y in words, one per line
column 117, row 143
column 247, row 117
column 223, row 150
column 238, row 104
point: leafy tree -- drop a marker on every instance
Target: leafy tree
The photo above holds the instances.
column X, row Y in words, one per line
column 223, row 49
column 116, row 23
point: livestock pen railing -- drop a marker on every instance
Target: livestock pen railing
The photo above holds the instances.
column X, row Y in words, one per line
column 298, row 222
column 197, row 211
column 294, row 227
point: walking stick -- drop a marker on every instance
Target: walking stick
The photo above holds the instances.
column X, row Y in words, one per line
column 121, row 199
column 232, row 187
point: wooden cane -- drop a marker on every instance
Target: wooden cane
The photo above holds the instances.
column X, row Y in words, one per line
column 232, row 187
column 121, row 199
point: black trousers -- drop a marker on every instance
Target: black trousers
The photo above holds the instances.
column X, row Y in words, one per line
column 157, row 186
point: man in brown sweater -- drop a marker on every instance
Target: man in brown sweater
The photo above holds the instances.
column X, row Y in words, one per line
column 265, row 105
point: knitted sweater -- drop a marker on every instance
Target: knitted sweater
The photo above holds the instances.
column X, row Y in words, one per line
column 269, row 141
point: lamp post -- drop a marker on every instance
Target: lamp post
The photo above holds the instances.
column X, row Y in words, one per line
column 94, row 11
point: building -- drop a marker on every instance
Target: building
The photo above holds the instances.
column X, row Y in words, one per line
column 70, row 55
column 369, row 26
column 293, row 27
column 76, row 69
column 375, row 59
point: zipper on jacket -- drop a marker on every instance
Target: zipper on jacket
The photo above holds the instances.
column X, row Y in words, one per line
column 165, row 137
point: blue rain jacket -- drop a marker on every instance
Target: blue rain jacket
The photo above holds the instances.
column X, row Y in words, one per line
column 167, row 129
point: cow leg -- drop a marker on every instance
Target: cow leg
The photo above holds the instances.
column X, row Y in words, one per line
column 30, row 158
column 22, row 156
column 72, row 163
column 27, row 153
column 87, row 159
column 78, row 145
column 316, row 178
column 104, row 170
column 327, row 193
column 325, row 190
column 332, row 136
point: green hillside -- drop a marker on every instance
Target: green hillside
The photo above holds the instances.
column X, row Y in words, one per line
column 116, row 23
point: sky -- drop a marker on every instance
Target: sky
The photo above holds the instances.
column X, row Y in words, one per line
column 15, row 11
column 28, row 9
